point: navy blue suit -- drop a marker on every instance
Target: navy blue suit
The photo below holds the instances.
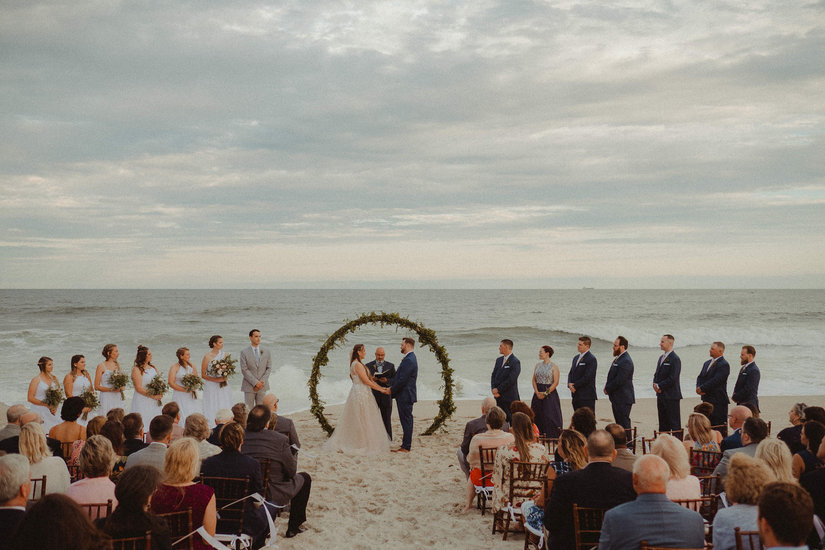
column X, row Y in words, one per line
column 619, row 388
column 405, row 395
column 667, row 400
column 583, row 377
column 747, row 385
column 383, row 400
column 713, row 382
column 505, row 379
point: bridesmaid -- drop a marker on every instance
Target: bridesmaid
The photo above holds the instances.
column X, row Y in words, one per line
column 37, row 393
column 110, row 398
column 214, row 396
column 78, row 381
column 188, row 401
column 148, row 406
column 546, row 402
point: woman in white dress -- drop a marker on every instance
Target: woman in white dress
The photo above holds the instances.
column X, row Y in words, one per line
column 142, row 373
column 361, row 430
column 37, row 393
column 215, row 397
column 76, row 382
column 110, row 398
column 187, row 401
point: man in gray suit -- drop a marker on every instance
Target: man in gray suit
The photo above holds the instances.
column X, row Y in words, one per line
column 282, row 424
column 160, row 430
column 754, row 430
column 652, row 516
column 624, row 458
column 256, row 364
column 13, row 415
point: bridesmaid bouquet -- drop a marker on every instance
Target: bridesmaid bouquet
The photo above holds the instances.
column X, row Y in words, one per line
column 192, row 382
column 119, row 380
column 90, row 399
column 222, row 368
column 157, row 386
column 54, row 397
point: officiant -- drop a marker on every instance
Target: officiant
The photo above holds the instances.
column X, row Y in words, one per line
column 383, row 372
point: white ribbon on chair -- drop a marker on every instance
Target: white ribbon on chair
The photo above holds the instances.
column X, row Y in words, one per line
column 297, row 448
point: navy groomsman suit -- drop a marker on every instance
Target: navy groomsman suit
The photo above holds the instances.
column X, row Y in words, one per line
column 747, row 385
column 666, row 378
column 619, row 388
column 712, row 382
column 505, row 379
column 583, row 377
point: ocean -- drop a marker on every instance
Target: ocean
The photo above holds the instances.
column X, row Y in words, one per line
column 785, row 326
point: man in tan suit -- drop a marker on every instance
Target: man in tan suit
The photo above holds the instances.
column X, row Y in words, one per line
column 256, row 364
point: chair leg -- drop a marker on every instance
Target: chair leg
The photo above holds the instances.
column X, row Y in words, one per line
column 506, row 524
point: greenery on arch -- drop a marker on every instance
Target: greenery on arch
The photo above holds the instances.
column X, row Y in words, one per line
column 426, row 337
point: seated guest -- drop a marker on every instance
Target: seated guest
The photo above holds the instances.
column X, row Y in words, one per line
column 736, row 419
column 133, row 433
column 682, row 484
column 69, row 430
column 222, row 416
column 12, row 444
column 12, row 428
column 706, row 409
column 57, row 522
column 172, row 410
column 785, row 515
column 524, row 449
column 178, row 491
column 806, row 459
column 113, row 431
column 231, row 463
column 93, row 427
column 96, row 461
column 699, row 435
column 814, row 483
column 793, row 433
column 115, row 415
column 815, row 413
column 754, row 430
column 777, row 456
column 598, row 485
column 239, row 413
column 583, row 421
column 745, row 480
column 494, row 438
column 14, row 493
column 197, row 428
column 624, row 458
column 522, row 407
column 286, row 484
column 281, row 424
column 33, row 446
column 160, row 430
column 651, row 517
column 473, row 427
column 131, row 518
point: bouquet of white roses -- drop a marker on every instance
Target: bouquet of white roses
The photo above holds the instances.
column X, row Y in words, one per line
column 222, row 368
column 157, row 386
column 192, row 382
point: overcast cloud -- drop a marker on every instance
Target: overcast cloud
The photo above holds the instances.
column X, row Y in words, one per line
column 429, row 143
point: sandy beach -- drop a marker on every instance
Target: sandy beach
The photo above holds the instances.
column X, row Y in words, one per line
column 413, row 500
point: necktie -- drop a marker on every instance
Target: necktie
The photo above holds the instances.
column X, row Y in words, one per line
column 257, row 354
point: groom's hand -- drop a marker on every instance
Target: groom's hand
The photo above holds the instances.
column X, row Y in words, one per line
column 259, row 385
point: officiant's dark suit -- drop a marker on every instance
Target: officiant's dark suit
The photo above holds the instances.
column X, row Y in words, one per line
column 505, row 378
column 384, row 401
column 583, row 377
column 619, row 386
column 404, row 392
column 713, row 383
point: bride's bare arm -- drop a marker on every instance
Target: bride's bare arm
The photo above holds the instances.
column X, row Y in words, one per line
column 361, row 370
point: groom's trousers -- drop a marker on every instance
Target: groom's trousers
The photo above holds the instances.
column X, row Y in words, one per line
column 405, row 415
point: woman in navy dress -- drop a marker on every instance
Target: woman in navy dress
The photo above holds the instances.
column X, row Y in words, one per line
column 546, row 404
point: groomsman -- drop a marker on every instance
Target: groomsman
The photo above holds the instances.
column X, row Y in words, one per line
column 383, row 372
column 667, row 386
column 747, row 383
column 619, row 386
column 582, row 376
column 504, row 380
column 712, row 384
column 256, row 364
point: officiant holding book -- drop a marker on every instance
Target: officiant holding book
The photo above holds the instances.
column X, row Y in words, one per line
column 383, row 373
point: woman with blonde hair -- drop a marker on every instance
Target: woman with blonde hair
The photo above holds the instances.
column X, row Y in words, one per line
column 681, row 484
column 33, row 446
column 745, row 479
column 179, row 492
column 777, row 456
column 525, row 449
column 700, row 437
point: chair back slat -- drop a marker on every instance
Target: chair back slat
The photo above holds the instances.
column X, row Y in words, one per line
column 180, row 525
column 552, row 443
column 678, row 434
column 705, row 506
column 265, row 463
column 646, row 443
column 721, row 428
column 587, row 526
column 66, row 449
column 709, row 485
column 631, row 435
column 645, row 546
column 38, row 489
column 703, row 463
column 487, row 459
column 97, row 510
column 133, row 543
column 747, row 540
column 227, row 491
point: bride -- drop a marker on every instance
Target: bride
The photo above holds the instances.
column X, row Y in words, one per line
column 361, row 430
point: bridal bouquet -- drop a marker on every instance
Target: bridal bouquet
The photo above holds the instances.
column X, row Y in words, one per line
column 222, row 368
column 157, row 386
column 54, row 397
column 119, row 380
column 90, row 399
column 192, row 382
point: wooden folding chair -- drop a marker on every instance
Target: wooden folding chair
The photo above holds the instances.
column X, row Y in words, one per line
column 525, row 479
column 228, row 492
column 180, row 525
column 265, row 463
column 66, row 449
column 769, row 428
column 678, row 434
column 74, row 472
column 709, row 485
column 646, row 443
column 552, row 443
column 705, row 506
column 587, row 526
column 747, row 540
column 721, row 428
column 703, row 463
column 96, row 510
column 534, row 538
column 645, row 546
column 631, row 434
column 485, row 491
column 38, row 489
column 133, row 543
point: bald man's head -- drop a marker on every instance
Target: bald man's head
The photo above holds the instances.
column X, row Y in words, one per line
column 487, row 404
column 271, row 401
column 738, row 415
column 650, row 474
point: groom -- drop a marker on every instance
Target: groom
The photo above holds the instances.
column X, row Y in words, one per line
column 403, row 391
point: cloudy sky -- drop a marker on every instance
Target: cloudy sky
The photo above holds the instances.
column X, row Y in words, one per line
column 412, row 144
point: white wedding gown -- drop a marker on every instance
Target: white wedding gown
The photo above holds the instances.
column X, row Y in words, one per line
column 360, row 430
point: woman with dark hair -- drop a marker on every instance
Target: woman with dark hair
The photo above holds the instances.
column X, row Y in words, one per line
column 806, row 459
column 215, row 397
column 131, row 518
column 583, row 421
column 186, row 400
column 56, row 522
column 142, row 373
column 522, row 407
column 37, row 393
column 69, row 430
column 109, row 396
column 78, row 381
column 361, row 429
column 240, row 414
column 545, row 403
column 113, row 431
column 525, row 449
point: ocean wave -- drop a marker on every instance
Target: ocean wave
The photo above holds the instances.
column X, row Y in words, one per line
column 234, row 310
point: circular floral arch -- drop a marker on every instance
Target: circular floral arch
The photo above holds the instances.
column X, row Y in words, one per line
column 426, row 337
